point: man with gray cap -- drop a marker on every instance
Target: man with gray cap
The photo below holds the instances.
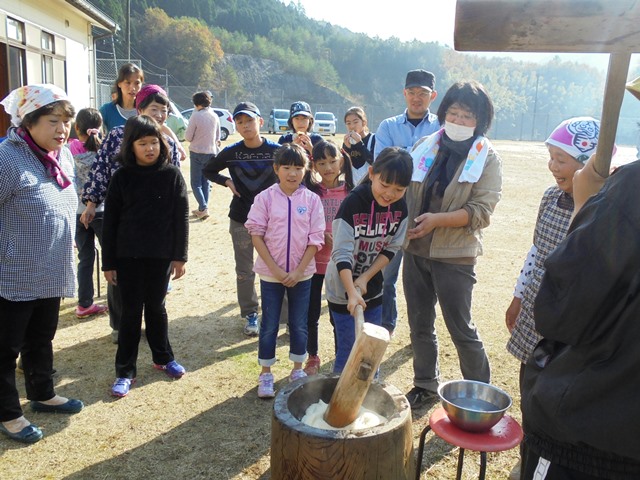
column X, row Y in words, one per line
column 404, row 131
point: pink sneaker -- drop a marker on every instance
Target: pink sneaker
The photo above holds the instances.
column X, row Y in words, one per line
column 94, row 309
column 313, row 365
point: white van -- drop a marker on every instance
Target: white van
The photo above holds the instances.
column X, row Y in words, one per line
column 324, row 123
column 277, row 122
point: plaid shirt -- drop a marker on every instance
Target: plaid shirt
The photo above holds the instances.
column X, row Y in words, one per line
column 37, row 225
column 554, row 215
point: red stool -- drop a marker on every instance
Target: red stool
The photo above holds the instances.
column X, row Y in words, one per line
column 504, row 435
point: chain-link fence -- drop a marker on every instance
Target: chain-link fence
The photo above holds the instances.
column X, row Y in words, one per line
column 537, row 128
column 107, row 72
column 526, row 127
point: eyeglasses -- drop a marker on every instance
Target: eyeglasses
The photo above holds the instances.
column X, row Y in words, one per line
column 462, row 115
column 421, row 94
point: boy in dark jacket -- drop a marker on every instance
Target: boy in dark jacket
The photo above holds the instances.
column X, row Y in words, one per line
column 250, row 165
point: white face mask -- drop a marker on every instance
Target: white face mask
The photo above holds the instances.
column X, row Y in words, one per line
column 458, row 133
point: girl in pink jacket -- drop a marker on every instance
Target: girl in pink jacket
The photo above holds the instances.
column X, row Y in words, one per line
column 286, row 224
column 330, row 176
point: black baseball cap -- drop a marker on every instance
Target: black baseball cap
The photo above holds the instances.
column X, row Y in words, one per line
column 300, row 108
column 420, row 78
column 247, row 108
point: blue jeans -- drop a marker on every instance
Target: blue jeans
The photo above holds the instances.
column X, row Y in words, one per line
column 272, row 296
column 199, row 183
column 390, row 275
column 346, row 333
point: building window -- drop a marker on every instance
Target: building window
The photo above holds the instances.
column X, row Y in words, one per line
column 47, row 69
column 47, row 42
column 17, row 68
column 15, row 30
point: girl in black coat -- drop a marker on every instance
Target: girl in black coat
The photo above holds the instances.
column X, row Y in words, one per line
column 145, row 242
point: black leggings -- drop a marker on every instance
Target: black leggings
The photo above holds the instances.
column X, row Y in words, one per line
column 143, row 285
column 313, row 318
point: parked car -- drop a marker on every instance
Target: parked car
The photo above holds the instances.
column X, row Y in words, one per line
column 324, row 123
column 277, row 122
column 227, row 125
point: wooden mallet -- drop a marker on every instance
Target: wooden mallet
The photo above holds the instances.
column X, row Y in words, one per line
column 362, row 364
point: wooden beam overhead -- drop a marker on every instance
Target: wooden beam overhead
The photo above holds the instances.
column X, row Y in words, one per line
column 573, row 26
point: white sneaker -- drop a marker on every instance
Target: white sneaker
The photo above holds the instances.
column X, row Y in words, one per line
column 201, row 214
column 251, row 329
column 265, row 386
column 296, row 374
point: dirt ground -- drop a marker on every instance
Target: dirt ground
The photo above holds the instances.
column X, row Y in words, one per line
column 211, row 424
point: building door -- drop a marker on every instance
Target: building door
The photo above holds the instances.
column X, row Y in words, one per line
column 4, row 88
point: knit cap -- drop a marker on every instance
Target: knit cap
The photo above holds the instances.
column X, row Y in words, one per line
column 147, row 90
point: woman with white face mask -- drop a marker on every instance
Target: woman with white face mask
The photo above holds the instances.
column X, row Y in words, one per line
column 456, row 183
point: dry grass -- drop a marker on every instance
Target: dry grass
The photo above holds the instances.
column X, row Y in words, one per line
column 210, row 424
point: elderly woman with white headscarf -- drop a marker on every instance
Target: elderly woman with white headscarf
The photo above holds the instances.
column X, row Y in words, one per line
column 37, row 222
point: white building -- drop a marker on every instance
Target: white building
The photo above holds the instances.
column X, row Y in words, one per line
column 50, row 41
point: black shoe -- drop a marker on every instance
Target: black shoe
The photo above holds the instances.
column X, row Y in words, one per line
column 70, row 406
column 419, row 397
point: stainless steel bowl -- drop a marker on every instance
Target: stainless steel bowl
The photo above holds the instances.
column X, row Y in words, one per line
column 473, row 406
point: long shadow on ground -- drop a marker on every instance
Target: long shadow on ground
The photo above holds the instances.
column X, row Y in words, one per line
column 170, row 456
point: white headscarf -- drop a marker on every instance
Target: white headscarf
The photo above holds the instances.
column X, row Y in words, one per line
column 29, row 98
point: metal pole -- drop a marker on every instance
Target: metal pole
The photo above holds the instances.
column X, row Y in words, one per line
column 535, row 107
column 129, row 30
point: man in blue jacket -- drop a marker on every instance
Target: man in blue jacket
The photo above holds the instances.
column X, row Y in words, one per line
column 404, row 131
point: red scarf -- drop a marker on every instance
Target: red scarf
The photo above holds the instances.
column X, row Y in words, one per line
column 48, row 159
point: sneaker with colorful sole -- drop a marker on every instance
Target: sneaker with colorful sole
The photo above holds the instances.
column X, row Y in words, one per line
column 313, row 365
column 173, row 369
column 93, row 309
column 121, row 387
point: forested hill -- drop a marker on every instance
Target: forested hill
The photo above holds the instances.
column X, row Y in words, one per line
column 200, row 41
column 252, row 17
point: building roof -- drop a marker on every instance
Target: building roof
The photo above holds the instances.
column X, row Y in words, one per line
column 98, row 17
